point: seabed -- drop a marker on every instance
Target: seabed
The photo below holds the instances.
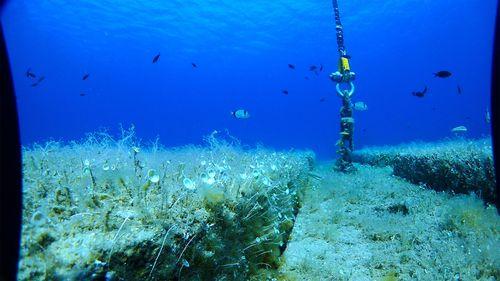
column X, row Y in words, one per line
column 106, row 209
column 375, row 226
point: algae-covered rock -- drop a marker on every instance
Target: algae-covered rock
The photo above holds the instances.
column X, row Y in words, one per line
column 458, row 166
column 109, row 209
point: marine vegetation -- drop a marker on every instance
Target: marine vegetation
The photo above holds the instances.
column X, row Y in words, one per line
column 377, row 227
column 113, row 209
column 460, row 165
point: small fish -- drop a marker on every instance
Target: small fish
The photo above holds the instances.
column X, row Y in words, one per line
column 442, row 74
column 156, row 58
column 322, row 99
column 320, row 67
column 194, row 65
column 459, row 129
column 240, row 114
column 30, row 74
column 291, row 66
column 82, row 94
column 313, row 68
column 38, row 81
column 285, row 92
column 420, row 94
column 360, row 106
column 487, row 116
column 459, row 89
column 85, row 76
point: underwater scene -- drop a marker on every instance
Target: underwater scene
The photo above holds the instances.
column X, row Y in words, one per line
column 255, row 140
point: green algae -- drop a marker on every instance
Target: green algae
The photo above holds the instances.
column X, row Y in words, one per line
column 116, row 210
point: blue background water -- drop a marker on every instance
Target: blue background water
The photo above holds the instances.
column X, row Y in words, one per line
column 242, row 49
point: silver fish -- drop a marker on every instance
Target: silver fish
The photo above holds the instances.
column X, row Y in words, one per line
column 487, row 116
column 459, row 129
column 240, row 114
column 360, row 106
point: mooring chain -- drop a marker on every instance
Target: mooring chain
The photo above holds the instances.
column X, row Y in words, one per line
column 344, row 76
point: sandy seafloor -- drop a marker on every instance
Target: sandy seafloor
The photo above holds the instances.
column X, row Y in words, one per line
column 372, row 225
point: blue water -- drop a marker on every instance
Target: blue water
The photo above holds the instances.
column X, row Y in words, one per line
column 242, row 49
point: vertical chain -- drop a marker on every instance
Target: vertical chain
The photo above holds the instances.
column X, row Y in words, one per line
column 338, row 28
column 345, row 143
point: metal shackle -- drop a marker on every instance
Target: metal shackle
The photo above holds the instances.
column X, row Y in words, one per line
column 350, row 90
